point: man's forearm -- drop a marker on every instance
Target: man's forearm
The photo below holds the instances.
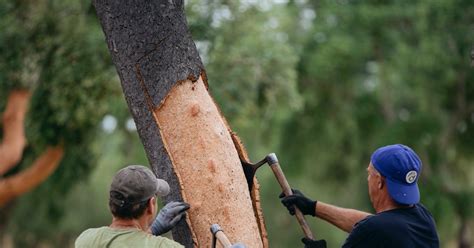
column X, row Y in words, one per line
column 343, row 218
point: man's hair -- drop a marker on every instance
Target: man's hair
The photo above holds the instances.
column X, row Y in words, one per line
column 128, row 211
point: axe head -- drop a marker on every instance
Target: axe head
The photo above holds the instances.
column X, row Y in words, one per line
column 250, row 169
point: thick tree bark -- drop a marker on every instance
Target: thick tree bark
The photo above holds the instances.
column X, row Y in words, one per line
column 14, row 141
column 187, row 141
column 31, row 177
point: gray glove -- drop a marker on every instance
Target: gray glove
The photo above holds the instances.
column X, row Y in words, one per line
column 168, row 217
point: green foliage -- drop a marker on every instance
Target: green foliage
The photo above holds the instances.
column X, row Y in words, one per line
column 52, row 49
column 380, row 73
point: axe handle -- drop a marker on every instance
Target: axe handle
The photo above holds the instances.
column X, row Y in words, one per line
column 287, row 191
column 225, row 242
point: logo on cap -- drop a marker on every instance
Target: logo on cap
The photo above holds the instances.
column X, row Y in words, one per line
column 411, row 176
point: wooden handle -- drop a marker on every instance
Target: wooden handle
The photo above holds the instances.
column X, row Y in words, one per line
column 225, row 242
column 287, row 191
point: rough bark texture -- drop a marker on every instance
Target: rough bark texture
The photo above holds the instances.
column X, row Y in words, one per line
column 14, row 141
column 153, row 52
column 29, row 178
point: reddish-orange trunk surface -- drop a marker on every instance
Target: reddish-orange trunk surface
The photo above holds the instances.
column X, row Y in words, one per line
column 207, row 165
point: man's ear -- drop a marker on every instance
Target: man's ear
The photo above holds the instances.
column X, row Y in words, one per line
column 151, row 205
column 381, row 182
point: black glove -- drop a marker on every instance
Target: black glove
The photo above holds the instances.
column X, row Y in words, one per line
column 306, row 205
column 309, row 243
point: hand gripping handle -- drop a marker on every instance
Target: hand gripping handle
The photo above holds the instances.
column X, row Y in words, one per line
column 273, row 162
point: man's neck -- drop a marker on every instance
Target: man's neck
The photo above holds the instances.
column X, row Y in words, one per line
column 384, row 208
column 387, row 204
column 128, row 223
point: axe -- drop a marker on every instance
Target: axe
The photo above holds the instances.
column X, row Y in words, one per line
column 272, row 160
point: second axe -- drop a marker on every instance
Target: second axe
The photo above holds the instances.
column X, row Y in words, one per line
column 272, row 160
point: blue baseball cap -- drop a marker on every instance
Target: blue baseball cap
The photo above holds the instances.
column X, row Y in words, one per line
column 401, row 167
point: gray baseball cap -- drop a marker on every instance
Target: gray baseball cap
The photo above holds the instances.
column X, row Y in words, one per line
column 134, row 184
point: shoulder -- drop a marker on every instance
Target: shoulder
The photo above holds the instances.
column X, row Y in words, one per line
column 363, row 231
column 93, row 230
column 158, row 241
column 371, row 231
column 145, row 239
column 404, row 227
column 87, row 236
column 90, row 232
column 373, row 222
column 169, row 243
column 409, row 216
column 423, row 210
column 101, row 237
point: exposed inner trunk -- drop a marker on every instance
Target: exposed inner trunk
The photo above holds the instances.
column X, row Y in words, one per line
column 207, row 165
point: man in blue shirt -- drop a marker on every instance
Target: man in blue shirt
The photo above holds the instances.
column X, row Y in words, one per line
column 400, row 220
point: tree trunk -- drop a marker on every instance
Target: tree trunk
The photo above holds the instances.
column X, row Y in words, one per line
column 187, row 141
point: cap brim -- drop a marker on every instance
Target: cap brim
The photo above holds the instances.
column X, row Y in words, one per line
column 162, row 187
column 406, row 194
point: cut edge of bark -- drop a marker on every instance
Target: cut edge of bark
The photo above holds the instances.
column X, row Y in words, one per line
column 153, row 109
column 178, row 177
column 191, row 78
column 255, row 192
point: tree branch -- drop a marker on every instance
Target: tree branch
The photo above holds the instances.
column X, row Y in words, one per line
column 14, row 141
column 29, row 178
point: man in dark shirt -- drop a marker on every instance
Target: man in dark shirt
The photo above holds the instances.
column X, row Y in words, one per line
column 400, row 220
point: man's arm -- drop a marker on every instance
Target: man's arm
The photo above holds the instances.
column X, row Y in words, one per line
column 342, row 218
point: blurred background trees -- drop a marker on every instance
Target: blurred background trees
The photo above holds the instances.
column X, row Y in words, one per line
column 53, row 51
column 321, row 83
